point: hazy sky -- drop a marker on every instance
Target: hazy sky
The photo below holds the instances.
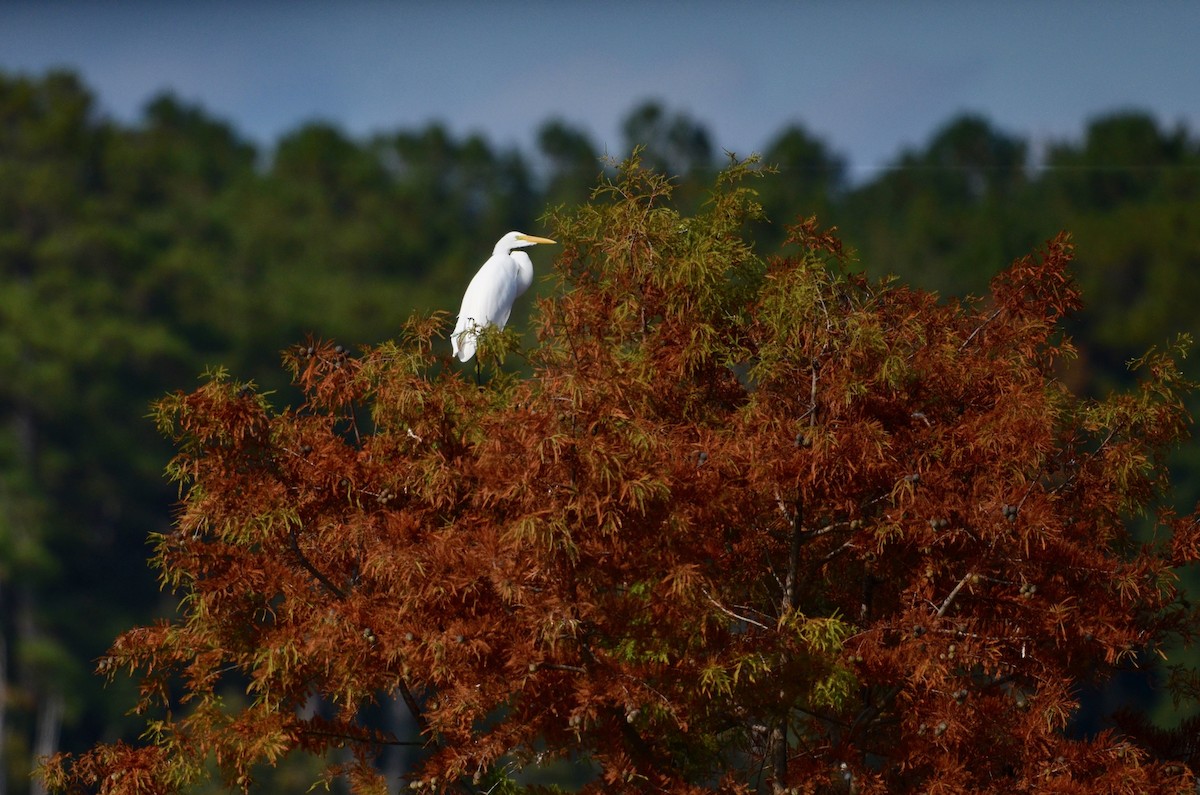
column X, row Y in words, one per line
column 869, row 77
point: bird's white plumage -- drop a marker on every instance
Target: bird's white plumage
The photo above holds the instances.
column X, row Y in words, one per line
column 491, row 293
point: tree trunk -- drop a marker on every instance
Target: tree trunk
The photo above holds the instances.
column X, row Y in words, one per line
column 3, row 690
column 778, row 743
column 49, row 724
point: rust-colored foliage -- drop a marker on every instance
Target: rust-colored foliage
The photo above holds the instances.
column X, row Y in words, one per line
column 744, row 525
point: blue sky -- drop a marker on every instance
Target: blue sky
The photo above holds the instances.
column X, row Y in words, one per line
column 869, row 77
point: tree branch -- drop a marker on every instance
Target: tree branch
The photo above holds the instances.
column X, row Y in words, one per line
column 311, row 569
column 791, row 600
column 575, row 669
column 414, row 708
column 732, row 614
column 353, row 738
column 949, row 600
column 872, row 711
column 791, row 589
column 980, row 328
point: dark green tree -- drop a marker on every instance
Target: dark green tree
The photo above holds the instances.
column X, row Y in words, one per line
column 133, row 256
column 671, row 143
column 1124, row 158
column 571, row 163
column 85, row 337
column 811, row 179
column 944, row 215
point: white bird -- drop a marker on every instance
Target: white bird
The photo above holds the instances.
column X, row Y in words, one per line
column 490, row 295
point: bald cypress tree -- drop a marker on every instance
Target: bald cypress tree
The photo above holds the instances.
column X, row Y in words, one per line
column 744, row 525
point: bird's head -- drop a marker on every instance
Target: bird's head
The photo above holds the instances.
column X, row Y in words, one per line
column 518, row 240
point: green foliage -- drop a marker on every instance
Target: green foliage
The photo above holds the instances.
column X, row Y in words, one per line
column 132, row 256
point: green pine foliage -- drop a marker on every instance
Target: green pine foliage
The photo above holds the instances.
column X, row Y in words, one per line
column 134, row 256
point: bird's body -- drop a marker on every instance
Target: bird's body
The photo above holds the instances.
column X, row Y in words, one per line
column 490, row 295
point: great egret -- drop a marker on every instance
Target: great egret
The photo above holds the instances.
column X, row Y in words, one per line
column 490, row 295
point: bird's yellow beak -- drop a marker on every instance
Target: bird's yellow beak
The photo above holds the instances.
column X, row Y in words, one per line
column 533, row 239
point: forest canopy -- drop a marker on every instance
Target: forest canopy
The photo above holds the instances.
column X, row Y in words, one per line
column 134, row 257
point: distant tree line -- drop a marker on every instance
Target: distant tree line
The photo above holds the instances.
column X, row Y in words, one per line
column 134, row 257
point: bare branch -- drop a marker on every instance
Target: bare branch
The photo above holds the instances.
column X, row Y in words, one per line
column 732, row 614
column 414, row 708
column 310, row 568
column 953, row 594
column 575, row 669
column 980, row 328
